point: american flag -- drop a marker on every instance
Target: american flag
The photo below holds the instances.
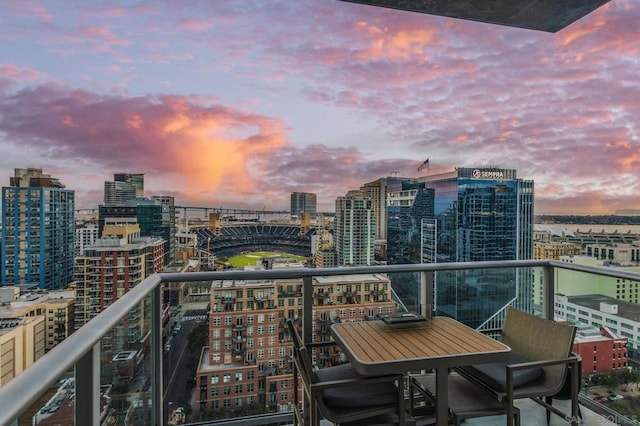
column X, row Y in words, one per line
column 424, row 164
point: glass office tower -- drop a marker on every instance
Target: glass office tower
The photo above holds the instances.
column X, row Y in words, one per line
column 303, row 202
column 124, row 187
column 405, row 213
column 38, row 232
column 481, row 214
column 155, row 218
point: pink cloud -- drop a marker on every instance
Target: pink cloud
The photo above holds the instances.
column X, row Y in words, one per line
column 206, row 147
column 557, row 107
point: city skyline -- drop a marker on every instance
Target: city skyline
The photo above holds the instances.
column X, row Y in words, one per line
column 223, row 104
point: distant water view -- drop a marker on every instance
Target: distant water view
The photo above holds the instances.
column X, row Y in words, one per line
column 585, row 227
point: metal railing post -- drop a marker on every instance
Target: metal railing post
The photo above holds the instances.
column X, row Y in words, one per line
column 426, row 293
column 87, row 393
column 156, row 357
column 307, row 309
column 307, row 330
column 548, row 297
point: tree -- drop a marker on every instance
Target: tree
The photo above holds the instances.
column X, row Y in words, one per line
column 196, row 340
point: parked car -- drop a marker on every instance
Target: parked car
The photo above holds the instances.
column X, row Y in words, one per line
column 615, row 397
column 601, row 399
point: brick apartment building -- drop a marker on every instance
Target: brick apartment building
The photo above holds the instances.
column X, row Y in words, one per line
column 249, row 357
column 601, row 350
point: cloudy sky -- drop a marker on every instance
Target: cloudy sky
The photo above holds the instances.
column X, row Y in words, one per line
column 237, row 103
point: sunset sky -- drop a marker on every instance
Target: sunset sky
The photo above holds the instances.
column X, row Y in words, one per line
column 238, row 103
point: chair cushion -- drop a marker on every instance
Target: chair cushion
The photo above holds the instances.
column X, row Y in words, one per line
column 494, row 374
column 358, row 395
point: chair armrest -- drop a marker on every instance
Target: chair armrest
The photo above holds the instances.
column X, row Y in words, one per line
column 320, row 344
column 358, row 381
column 541, row 363
column 511, row 368
column 501, row 377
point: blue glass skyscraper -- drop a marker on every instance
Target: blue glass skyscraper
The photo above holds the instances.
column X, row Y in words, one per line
column 38, row 231
column 407, row 208
column 481, row 214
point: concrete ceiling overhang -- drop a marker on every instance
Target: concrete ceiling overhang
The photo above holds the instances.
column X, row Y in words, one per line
column 542, row 15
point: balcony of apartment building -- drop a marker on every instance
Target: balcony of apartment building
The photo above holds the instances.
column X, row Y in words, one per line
column 140, row 387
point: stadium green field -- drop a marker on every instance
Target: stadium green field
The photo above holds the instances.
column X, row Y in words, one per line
column 251, row 258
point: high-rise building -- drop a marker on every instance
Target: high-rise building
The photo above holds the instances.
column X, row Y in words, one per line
column 86, row 235
column 21, row 344
column 135, row 179
column 156, row 218
column 38, row 232
column 56, row 306
column 481, row 214
column 248, row 360
column 303, row 202
column 355, row 229
column 407, row 210
column 112, row 266
column 124, row 187
column 168, row 223
column 378, row 191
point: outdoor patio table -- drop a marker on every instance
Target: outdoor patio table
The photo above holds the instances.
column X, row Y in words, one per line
column 374, row 347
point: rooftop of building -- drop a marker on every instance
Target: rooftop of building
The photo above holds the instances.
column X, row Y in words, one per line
column 588, row 333
column 626, row 310
column 62, row 297
column 206, row 367
column 114, row 243
column 8, row 324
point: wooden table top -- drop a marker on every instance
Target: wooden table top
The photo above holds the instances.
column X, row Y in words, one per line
column 374, row 347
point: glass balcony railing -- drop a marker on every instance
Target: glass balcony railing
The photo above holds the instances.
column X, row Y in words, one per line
column 118, row 368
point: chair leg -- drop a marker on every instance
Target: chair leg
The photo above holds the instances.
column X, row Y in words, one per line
column 401, row 407
column 516, row 417
column 574, row 421
column 511, row 414
column 548, row 400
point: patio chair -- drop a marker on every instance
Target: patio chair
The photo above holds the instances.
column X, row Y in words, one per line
column 343, row 396
column 466, row 399
column 565, row 392
column 539, row 364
